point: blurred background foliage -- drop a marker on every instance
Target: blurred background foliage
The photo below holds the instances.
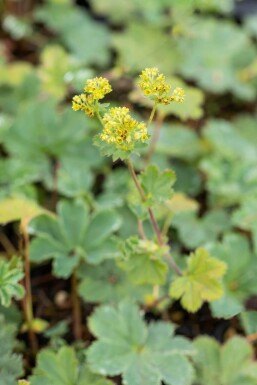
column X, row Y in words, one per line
column 50, row 48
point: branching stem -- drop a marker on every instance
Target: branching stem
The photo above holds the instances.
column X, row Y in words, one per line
column 27, row 301
column 152, row 218
column 154, row 138
column 152, row 115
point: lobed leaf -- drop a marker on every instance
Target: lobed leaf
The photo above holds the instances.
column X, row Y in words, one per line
column 200, row 282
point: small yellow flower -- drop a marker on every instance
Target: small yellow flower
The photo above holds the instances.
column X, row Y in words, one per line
column 178, row 95
column 23, row 382
column 84, row 103
column 98, row 87
column 122, row 130
column 153, row 84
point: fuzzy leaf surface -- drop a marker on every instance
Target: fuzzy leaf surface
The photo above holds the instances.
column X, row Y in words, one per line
column 230, row 364
column 240, row 277
column 10, row 275
column 63, row 368
column 10, row 363
column 200, row 282
column 142, row 354
column 157, row 185
column 73, row 235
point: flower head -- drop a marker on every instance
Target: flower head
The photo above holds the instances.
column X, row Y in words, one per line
column 178, row 95
column 98, row 87
column 23, row 382
column 84, row 103
column 122, row 130
column 153, row 84
column 95, row 89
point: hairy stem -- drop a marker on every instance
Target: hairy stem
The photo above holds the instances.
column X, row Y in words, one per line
column 154, row 138
column 76, row 307
column 152, row 115
column 7, row 245
column 99, row 118
column 141, row 230
column 27, row 301
column 152, row 218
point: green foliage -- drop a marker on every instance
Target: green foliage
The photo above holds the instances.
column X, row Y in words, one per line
column 10, row 363
column 194, row 231
column 142, row 354
column 47, row 53
column 229, row 364
column 221, row 74
column 10, row 274
column 71, row 23
column 245, row 218
column 63, row 368
column 107, row 283
column 240, row 277
column 157, row 185
column 179, row 142
column 150, row 52
column 200, row 282
column 249, row 321
column 73, row 236
column 18, row 208
column 144, row 261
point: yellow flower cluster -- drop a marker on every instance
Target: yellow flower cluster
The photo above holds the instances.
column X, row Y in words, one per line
column 98, row 87
column 153, row 84
column 122, row 130
column 23, row 382
column 95, row 89
column 84, row 103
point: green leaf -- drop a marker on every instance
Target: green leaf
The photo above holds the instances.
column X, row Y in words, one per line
column 71, row 22
column 157, row 185
column 200, row 282
column 10, row 274
column 245, row 217
column 240, row 278
column 18, row 208
column 249, row 321
column 225, row 140
column 109, row 149
column 150, row 53
column 228, row 182
column 194, row 231
column 74, row 178
column 144, row 262
column 74, row 235
column 214, row 72
column 10, row 363
column 41, row 134
column 142, row 354
column 179, row 142
column 55, row 63
column 62, row 368
column 230, row 364
column 101, row 227
column 106, row 283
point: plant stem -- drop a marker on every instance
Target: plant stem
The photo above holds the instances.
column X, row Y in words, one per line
column 252, row 337
column 27, row 301
column 7, row 245
column 154, row 138
column 152, row 115
column 152, row 218
column 141, row 230
column 99, row 118
column 76, row 307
